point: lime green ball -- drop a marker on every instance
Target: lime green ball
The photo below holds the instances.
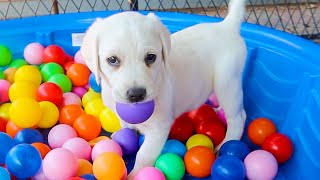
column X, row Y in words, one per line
column 5, row 56
column 62, row 81
column 17, row 63
column 1, row 74
column 50, row 69
column 171, row 165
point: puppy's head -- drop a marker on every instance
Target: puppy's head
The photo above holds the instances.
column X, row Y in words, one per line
column 128, row 52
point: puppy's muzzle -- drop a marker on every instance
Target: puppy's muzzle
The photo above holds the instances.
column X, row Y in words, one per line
column 136, row 94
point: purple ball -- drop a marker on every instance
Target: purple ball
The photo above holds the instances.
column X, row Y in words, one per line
column 128, row 140
column 135, row 113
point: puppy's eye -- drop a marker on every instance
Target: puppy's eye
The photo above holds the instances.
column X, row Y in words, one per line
column 113, row 61
column 150, row 58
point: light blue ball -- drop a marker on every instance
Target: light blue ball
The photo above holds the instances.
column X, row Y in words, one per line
column 175, row 147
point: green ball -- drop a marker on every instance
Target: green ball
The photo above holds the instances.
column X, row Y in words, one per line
column 62, row 81
column 171, row 165
column 50, row 69
column 1, row 74
column 17, row 63
column 5, row 56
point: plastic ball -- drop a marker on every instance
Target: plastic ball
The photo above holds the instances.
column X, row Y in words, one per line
column 12, row 129
column 228, row 168
column 214, row 100
column 19, row 164
column 50, row 69
column 199, row 140
column 214, row 129
column 175, row 147
column 34, row 53
column 4, row 110
column 62, row 81
column 280, row 146
column 88, row 97
column 128, row 140
column 78, row 58
column 78, row 74
column 93, row 83
column 50, row 92
column 42, row 148
column 54, row 53
column 135, row 113
column 94, row 141
column 141, row 140
column 87, row 126
column 3, row 124
column 88, row 177
column 69, row 113
column 40, row 175
column 148, row 173
column 95, row 107
column 171, row 165
column 198, row 161
column 9, row 74
column 28, row 136
column 50, row 114
column 25, row 108
column 17, row 63
column 203, row 113
column 71, row 98
column 60, row 163
column 4, row 91
column 109, row 120
column 28, row 73
column 67, row 65
column 6, row 144
column 22, row 89
column 84, row 167
column 59, row 134
column 106, row 146
column 80, row 91
column 4, row 174
column 235, row 148
column 1, row 74
column 5, row 56
column 109, row 165
column 182, row 128
column 259, row 129
column 80, row 147
column 222, row 117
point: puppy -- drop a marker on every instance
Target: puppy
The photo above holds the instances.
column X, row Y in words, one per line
column 135, row 59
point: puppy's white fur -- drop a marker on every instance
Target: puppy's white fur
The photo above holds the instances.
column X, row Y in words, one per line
column 190, row 65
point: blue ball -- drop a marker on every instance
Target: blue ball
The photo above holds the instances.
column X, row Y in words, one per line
column 141, row 139
column 175, row 147
column 28, row 136
column 4, row 174
column 6, row 143
column 93, row 83
column 228, row 167
column 88, row 177
column 23, row 161
column 235, row 148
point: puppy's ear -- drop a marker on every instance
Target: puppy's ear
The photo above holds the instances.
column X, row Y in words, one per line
column 164, row 36
column 89, row 49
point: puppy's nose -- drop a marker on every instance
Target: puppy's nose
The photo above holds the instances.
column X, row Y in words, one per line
column 136, row 94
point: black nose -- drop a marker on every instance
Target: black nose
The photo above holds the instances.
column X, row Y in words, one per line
column 136, row 94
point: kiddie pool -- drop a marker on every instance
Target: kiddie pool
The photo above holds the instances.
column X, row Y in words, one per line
column 281, row 79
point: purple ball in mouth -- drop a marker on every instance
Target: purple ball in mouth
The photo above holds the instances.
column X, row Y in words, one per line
column 135, row 113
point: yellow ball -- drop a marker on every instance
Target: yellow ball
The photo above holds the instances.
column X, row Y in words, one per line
column 109, row 121
column 9, row 74
column 50, row 114
column 4, row 110
column 88, row 97
column 21, row 89
column 25, row 112
column 28, row 73
column 199, row 140
column 94, row 107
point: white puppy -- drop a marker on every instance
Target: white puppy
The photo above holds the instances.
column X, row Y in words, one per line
column 134, row 59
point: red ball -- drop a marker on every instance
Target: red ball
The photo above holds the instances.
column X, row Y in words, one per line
column 203, row 113
column 67, row 65
column 182, row 129
column 50, row 92
column 54, row 53
column 215, row 130
column 280, row 146
column 3, row 124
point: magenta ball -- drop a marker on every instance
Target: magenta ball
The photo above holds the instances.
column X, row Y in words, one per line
column 59, row 134
column 78, row 58
column 105, row 146
column 135, row 113
column 221, row 116
column 261, row 165
column 149, row 173
column 71, row 98
column 34, row 53
column 60, row 163
column 80, row 147
column 214, row 100
column 4, row 89
column 80, row 91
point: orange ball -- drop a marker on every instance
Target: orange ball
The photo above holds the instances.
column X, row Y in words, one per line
column 198, row 161
column 78, row 74
column 12, row 129
column 259, row 129
column 42, row 148
column 109, row 165
column 87, row 126
column 69, row 113
column 84, row 167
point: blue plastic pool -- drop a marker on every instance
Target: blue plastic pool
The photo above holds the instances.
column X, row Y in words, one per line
column 281, row 80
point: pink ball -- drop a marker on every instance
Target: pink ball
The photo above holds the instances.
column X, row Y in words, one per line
column 40, row 175
column 149, row 173
column 105, row 146
column 34, row 53
column 261, row 165
column 214, row 100
column 4, row 90
column 60, row 163
column 71, row 98
column 78, row 58
column 59, row 134
column 221, row 115
column 80, row 147
column 80, row 91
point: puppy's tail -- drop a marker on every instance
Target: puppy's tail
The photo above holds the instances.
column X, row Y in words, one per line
column 236, row 12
